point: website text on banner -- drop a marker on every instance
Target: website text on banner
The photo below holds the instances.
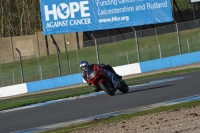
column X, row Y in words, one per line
column 63, row 16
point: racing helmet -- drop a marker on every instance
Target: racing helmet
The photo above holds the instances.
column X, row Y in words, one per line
column 83, row 65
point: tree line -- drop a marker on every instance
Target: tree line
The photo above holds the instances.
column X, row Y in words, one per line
column 19, row 17
column 22, row 17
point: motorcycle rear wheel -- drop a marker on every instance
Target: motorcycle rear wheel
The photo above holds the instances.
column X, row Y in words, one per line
column 110, row 91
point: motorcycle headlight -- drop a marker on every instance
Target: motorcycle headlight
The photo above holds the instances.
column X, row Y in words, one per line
column 93, row 74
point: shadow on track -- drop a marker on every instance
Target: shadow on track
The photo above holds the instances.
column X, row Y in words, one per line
column 152, row 88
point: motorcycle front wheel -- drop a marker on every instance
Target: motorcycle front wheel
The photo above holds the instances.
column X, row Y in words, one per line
column 124, row 87
column 110, row 91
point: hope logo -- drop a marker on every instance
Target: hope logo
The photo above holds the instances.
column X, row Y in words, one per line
column 64, row 10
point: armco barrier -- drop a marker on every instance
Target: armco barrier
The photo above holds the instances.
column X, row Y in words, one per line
column 157, row 64
column 54, row 82
column 185, row 59
column 13, row 90
column 169, row 62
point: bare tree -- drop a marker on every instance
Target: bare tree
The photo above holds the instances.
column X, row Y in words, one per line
column 2, row 19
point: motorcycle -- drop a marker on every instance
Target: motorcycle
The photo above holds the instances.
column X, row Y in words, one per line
column 96, row 78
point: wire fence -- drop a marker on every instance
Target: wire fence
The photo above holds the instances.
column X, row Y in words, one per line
column 136, row 46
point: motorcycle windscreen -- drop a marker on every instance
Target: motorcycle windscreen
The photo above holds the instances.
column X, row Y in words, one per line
column 91, row 73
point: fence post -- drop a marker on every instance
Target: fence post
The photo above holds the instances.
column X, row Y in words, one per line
column 188, row 45
column 160, row 52
column 114, row 39
column 137, row 45
column 13, row 77
column 97, row 51
column 12, row 49
column 178, row 37
column 66, row 52
column 59, row 66
column 21, row 67
column 47, row 44
column 127, row 57
column 159, row 48
column 38, row 47
column 70, row 70
column 40, row 72
column 194, row 14
column 1, row 76
column 58, row 57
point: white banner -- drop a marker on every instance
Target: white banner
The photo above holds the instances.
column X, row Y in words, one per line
column 13, row 90
column 195, row 0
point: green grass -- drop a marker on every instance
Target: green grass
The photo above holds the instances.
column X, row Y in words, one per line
column 115, row 54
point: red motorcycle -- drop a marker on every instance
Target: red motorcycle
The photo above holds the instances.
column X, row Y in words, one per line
column 96, row 78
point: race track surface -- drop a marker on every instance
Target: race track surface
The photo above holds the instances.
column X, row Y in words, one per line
column 182, row 85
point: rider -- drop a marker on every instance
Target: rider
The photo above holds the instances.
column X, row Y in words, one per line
column 107, row 73
column 109, row 68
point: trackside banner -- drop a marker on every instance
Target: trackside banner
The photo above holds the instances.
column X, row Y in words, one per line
column 63, row 16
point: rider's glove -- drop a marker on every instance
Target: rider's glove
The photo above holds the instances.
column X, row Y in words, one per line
column 102, row 65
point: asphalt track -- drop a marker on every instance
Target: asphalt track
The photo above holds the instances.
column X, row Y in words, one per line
column 160, row 90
